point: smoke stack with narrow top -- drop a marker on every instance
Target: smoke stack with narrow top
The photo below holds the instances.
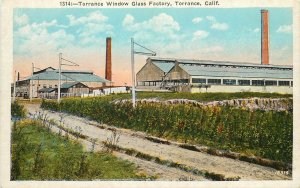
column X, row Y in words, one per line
column 108, row 59
column 264, row 37
column 18, row 76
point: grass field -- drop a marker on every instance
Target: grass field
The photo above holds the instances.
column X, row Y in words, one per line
column 38, row 154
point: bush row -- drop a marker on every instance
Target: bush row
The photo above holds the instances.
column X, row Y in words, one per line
column 264, row 133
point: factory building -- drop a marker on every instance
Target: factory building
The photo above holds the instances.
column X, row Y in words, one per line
column 218, row 76
column 45, row 83
column 214, row 76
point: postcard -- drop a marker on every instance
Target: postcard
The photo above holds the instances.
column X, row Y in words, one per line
column 149, row 93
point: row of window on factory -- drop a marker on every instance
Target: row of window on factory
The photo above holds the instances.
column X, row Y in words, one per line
column 241, row 82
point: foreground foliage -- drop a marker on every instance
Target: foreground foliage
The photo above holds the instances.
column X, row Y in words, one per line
column 201, row 97
column 263, row 133
column 38, row 154
column 17, row 110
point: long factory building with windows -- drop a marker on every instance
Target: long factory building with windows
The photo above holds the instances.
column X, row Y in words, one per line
column 214, row 76
column 218, row 76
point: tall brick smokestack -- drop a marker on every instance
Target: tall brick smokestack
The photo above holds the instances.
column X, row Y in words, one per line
column 264, row 37
column 108, row 59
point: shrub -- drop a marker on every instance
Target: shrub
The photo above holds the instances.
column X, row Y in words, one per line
column 17, row 110
column 264, row 133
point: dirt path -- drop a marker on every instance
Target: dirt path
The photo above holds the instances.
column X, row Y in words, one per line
column 202, row 161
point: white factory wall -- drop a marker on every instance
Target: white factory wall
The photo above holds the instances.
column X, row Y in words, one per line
column 93, row 84
column 236, row 88
column 106, row 91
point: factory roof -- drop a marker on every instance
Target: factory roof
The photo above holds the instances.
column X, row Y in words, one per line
column 225, row 68
column 159, row 60
column 67, row 85
column 241, row 72
column 47, row 90
column 67, row 75
column 165, row 67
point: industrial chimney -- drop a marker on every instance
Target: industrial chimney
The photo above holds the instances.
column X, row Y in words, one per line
column 264, row 37
column 108, row 59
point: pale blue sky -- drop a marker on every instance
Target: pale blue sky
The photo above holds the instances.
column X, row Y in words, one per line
column 217, row 34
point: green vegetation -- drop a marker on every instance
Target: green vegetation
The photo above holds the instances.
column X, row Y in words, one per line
column 38, row 154
column 17, row 110
column 202, row 97
column 266, row 134
column 34, row 100
column 205, row 97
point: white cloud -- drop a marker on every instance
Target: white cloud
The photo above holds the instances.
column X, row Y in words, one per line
column 94, row 29
column 200, row 34
column 256, row 30
column 128, row 20
column 211, row 18
column 95, row 16
column 197, row 20
column 285, row 29
column 50, row 37
column 91, row 27
column 162, row 23
column 220, row 26
column 21, row 20
column 217, row 25
column 35, row 38
column 161, row 32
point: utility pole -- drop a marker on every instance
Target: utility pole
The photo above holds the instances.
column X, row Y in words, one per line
column 59, row 72
column 59, row 78
column 14, row 93
column 31, row 83
column 133, row 73
column 150, row 53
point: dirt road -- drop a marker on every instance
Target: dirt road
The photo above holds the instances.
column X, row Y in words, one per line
column 198, row 160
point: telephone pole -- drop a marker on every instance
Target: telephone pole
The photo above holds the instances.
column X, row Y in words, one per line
column 31, row 83
column 59, row 73
column 59, row 78
column 14, row 93
column 133, row 73
column 149, row 53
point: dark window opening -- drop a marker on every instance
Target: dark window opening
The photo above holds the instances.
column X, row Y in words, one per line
column 257, row 82
column 271, row 83
column 283, row 83
column 214, row 81
column 244, row 82
column 229, row 82
column 199, row 80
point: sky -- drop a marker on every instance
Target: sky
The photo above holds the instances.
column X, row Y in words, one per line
column 186, row 33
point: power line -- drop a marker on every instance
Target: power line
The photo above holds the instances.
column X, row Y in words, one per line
column 73, row 64
column 144, row 53
column 152, row 53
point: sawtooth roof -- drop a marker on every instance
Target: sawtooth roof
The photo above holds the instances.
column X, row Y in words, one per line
column 165, row 67
column 225, row 68
column 211, row 62
column 196, row 70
